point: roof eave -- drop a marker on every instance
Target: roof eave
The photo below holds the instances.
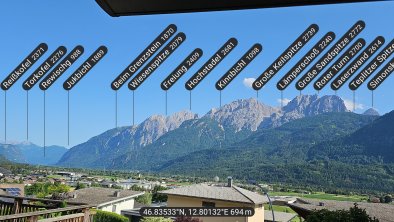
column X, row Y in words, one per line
column 233, row 201
column 120, row 199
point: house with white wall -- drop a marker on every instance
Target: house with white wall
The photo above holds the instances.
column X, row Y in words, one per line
column 106, row 199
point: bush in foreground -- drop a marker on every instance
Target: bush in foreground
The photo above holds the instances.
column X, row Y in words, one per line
column 187, row 219
column 354, row 214
column 156, row 219
column 104, row 216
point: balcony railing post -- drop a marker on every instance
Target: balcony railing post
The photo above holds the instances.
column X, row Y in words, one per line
column 86, row 217
column 17, row 205
column 32, row 219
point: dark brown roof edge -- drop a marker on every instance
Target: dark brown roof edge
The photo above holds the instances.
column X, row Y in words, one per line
column 104, row 5
column 161, row 7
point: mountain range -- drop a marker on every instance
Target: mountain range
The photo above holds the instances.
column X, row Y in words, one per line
column 312, row 141
column 160, row 138
column 30, row 153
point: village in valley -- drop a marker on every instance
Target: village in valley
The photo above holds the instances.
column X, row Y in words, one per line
column 97, row 193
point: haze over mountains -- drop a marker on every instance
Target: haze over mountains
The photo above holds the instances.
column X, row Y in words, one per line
column 26, row 152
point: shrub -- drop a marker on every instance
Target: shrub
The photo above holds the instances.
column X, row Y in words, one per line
column 187, row 219
column 156, row 219
column 145, row 199
column 355, row 214
column 103, row 216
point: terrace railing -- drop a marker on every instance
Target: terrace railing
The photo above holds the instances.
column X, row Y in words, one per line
column 46, row 211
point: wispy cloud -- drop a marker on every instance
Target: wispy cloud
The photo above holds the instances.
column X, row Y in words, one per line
column 248, row 82
column 350, row 105
column 285, row 101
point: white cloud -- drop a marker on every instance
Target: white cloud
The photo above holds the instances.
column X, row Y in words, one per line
column 350, row 105
column 248, row 82
column 285, row 101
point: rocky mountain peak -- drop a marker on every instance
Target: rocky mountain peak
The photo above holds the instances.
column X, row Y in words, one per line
column 176, row 119
column 242, row 114
column 157, row 125
column 371, row 112
column 312, row 105
column 304, row 106
column 300, row 103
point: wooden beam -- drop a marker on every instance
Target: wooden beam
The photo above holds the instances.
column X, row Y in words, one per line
column 64, row 218
column 42, row 200
column 44, row 212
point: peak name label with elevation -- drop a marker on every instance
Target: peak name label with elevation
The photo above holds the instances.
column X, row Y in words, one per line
column 85, row 68
column 182, row 69
column 309, row 57
column 44, row 68
column 24, row 66
column 372, row 66
column 348, row 37
column 286, row 56
column 144, row 57
column 155, row 63
column 62, row 67
column 239, row 66
column 215, row 60
column 339, row 64
column 357, row 63
column 377, row 80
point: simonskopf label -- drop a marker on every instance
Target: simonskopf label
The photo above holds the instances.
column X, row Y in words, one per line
column 377, row 80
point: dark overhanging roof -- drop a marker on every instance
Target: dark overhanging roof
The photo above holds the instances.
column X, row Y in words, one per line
column 304, row 207
column 145, row 7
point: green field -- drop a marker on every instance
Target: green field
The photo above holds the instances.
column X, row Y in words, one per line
column 316, row 195
column 55, row 177
column 279, row 208
column 282, row 209
column 322, row 196
column 180, row 183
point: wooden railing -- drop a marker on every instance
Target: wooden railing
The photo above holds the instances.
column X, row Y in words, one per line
column 8, row 208
column 67, row 214
column 46, row 211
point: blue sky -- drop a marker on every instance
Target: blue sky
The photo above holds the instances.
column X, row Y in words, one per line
column 26, row 23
